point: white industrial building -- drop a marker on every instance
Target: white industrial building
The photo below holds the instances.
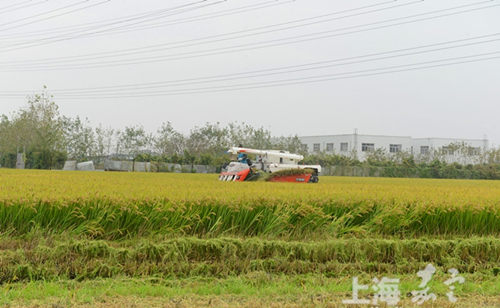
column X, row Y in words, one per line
column 423, row 145
column 360, row 144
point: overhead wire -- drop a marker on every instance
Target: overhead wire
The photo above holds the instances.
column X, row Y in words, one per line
column 62, row 37
column 177, row 12
column 29, row 5
column 68, row 28
column 99, row 94
column 243, row 47
column 60, row 59
column 104, row 91
column 289, row 69
column 13, row 5
column 195, row 18
column 287, row 82
column 55, row 10
column 192, row 19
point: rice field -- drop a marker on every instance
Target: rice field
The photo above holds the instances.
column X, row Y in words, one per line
column 83, row 229
column 123, row 205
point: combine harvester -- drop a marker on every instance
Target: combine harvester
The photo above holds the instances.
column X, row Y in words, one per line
column 274, row 166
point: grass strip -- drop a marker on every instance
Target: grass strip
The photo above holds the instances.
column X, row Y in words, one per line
column 251, row 290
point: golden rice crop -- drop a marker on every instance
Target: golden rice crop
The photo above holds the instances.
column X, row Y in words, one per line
column 118, row 204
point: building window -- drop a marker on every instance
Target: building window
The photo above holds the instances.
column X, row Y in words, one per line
column 305, row 148
column 366, row 147
column 424, row 149
column 343, row 147
column 395, row 148
column 316, row 147
column 447, row 150
column 329, row 147
column 474, row 151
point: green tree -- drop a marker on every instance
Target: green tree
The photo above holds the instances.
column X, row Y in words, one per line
column 103, row 140
column 134, row 140
column 7, row 143
column 291, row 144
column 80, row 139
column 39, row 129
column 168, row 141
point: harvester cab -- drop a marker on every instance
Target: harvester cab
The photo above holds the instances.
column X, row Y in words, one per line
column 274, row 166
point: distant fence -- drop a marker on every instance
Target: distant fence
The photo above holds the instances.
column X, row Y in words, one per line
column 372, row 171
column 360, row 171
column 130, row 166
column 355, row 171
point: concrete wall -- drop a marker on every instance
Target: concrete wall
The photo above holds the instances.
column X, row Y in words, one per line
column 129, row 166
column 85, row 166
column 70, row 165
column 20, row 161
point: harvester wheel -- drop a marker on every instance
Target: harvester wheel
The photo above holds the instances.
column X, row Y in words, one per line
column 314, row 178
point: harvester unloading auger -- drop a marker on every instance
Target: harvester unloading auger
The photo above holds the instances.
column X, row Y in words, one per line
column 274, row 166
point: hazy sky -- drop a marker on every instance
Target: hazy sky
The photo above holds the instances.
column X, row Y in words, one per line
column 308, row 67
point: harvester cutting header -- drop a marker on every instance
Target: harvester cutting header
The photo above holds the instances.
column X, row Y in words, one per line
column 273, row 166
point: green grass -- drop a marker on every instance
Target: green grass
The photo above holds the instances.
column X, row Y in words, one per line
column 315, row 290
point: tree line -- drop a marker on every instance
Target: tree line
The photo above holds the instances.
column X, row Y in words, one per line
column 47, row 139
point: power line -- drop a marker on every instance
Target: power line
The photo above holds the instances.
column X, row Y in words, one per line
column 29, row 5
column 194, row 18
column 59, row 59
column 114, row 32
column 289, row 83
column 244, row 47
column 177, row 22
column 139, row 22
column 29, row 23
column 162, row 14
column 287, row 69
column 67, row 28
column 292, row 81
column 13, row 5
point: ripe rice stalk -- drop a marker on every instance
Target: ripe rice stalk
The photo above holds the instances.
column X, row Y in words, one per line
column 121, row 205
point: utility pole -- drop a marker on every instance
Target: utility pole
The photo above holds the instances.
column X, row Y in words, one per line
column 355, row 143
